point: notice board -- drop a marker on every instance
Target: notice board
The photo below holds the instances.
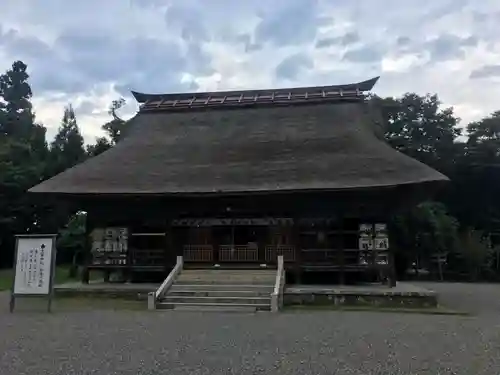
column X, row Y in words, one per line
column 34, row 265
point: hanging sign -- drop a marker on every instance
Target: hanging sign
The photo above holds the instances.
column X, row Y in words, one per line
column 365, row 230
column 381, row 243
column 381, row 230
column 365, row 243
column 33, row 267
column 382, row 258
column 109, row 246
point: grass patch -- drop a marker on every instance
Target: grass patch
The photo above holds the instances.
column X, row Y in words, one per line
column 89, row 303
column 30, row 304
column 440, row 310
column 61, row 277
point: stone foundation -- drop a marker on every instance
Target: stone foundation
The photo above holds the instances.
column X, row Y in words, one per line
column 106, row 290
column 406, row 296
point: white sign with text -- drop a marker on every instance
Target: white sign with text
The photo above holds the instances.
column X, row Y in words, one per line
column 33, row 265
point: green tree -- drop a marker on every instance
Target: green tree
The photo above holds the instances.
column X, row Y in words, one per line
column 476, row 181
column 71, row 240
column 115, row 130
column 116, row 127
column 476, row 253
column 67, row 148
column 17, row 117
column 419, row 127
column 22, row 159
column 424, row 233
column 483, row 144
column 102, row 144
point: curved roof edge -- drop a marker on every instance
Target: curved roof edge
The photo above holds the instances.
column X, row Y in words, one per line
column 359, row 86
column 438, row 179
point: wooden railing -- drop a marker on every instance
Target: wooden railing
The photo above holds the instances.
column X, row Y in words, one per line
column 279, row 285
column 273, row 251
column 348, row 257
column 147, row 257
column 198, row 253
column 320, row 255
column 154, row 297
column 238, row 253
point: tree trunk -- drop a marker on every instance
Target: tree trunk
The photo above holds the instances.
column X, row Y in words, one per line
column 440, row 268
column 73, row 270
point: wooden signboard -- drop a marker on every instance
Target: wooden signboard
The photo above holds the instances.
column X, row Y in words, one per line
column 365, row 243
column 381, row 230
column 109, row 246
column 365, row 230
column 381, row 243
column 34, row 266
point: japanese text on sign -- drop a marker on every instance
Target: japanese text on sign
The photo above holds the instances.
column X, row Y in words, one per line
column 33, row 266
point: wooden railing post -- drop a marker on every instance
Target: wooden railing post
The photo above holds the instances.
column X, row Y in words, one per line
column 153, row 297
column 277, row 295
column 152, row 301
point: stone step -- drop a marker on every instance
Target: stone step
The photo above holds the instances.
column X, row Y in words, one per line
column 232, row 276
column 218, row 300
column 219, row 293
column 261, row 288
column 230, row 272
column 223, row 307
column 227, row 281
column 223, row 277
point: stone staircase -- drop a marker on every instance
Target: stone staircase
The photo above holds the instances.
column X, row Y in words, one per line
column 221, row 290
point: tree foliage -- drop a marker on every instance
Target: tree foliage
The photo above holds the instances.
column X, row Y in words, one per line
column 101, row 144
column 22, row 156
column 26, row 159
column 419, row 127
column 67, row 148
column 475, row 252
column 116, row 127
column 17, row 117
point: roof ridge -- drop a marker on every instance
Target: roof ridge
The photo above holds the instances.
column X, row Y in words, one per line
column 245, row 98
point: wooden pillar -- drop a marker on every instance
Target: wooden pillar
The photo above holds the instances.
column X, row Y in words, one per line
column 170, row 255
column 392, row 269
column 341, row 252
column 176, row 247
column 215, row 244
column 298, row 252
column 391, row 209
column 326, row 227
column 383, row 213
column 87, row 254
column 128, row 269
column 262, row 241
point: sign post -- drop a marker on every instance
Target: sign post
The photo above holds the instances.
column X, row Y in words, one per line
column 34, row 267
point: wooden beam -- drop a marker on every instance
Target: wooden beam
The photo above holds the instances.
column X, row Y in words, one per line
column 87, row 255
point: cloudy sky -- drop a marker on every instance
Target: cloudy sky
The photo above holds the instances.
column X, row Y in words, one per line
column 89, row 52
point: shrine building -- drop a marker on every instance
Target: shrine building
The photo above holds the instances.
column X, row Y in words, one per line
column 233, row 179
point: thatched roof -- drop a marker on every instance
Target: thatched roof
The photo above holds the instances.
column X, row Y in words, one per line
column 321, row 144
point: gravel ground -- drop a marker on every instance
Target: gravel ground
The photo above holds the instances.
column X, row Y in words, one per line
column 141, row 342
column 482, row 299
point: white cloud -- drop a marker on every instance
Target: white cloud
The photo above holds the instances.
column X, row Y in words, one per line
column 88, row 52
